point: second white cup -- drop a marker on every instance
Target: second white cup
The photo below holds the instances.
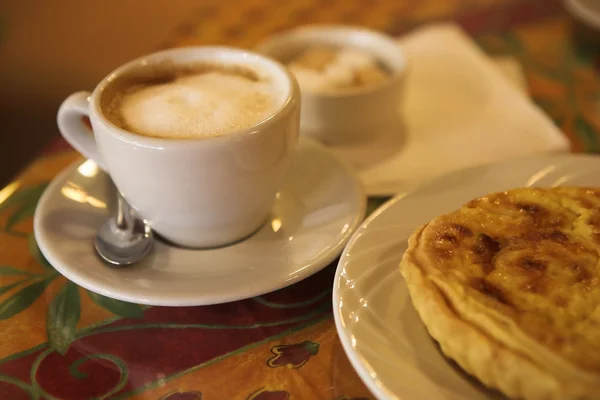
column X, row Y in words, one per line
column 350, row 116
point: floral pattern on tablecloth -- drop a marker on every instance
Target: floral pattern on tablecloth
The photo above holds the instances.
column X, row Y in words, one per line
column 60, row 341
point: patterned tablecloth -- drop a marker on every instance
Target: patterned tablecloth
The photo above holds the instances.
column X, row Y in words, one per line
column 59, row 341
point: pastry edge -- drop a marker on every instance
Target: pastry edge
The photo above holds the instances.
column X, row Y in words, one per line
column 478, row 354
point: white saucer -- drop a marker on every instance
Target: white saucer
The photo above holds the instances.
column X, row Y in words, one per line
column 314, row 216
column 379, row 329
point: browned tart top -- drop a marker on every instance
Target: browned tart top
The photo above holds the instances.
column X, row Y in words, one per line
column 531, row 255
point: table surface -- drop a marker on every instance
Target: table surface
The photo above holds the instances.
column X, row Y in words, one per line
column 59, row 342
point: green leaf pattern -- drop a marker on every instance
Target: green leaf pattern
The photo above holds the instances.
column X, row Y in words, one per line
column 19, row 215
column 9, row 287
column 23, row 298
column 587, row 133
column 63, row 315
column 23, row 203
column 6, row 270
column 117, row 307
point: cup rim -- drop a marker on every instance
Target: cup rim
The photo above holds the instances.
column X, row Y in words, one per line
column 279, row 39
column 158, row 142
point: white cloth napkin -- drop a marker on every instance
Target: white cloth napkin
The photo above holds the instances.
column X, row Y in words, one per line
column 512, row 69
column 459, row 110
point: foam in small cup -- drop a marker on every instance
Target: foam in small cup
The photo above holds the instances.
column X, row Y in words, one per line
column 328, row 70
column 206, row 103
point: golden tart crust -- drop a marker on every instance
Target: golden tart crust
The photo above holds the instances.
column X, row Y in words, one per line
column 509, row 285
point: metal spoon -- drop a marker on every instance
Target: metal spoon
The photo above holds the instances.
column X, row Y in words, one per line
column 125, row 238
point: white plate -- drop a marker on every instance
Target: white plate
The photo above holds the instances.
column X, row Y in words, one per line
column 314, row 216
column 379, row 328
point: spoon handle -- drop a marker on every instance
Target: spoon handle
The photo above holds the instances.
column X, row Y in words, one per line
column 123, row 213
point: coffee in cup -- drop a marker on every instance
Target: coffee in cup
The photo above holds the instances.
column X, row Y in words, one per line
column 191, row 101
column 198, row 140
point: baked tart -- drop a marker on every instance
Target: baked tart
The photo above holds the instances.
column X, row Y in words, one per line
column 509, row 286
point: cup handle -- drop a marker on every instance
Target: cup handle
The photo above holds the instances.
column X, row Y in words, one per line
column 74, row 130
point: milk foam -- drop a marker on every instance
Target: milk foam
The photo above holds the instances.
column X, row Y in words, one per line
column 340, row 72
column 198, row 105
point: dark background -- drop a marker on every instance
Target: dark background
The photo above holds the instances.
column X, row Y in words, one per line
column 49, row 49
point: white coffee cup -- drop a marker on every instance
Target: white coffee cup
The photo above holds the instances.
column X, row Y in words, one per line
column 350, row 116
column 202, row 192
